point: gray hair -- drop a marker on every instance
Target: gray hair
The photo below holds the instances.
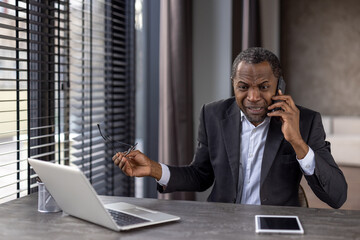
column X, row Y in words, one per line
column 256, row 55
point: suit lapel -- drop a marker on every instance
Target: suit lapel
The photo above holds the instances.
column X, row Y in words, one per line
column 231, row 129
column 273, row 141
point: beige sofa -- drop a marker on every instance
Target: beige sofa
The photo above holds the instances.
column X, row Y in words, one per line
column 344, row 135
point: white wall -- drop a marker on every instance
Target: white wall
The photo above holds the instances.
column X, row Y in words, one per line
column 211, row 55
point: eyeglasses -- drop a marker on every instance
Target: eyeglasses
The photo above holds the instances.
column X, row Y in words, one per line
column 108, row 139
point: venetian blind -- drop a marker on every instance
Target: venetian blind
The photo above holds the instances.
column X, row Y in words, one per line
column 102, row 89
column 34, row 79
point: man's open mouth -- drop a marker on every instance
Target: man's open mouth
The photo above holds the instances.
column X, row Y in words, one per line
column 255, row 110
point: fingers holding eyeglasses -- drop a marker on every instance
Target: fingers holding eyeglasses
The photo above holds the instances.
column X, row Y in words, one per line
column 121, row 160
column 120, row 157
column 126, row 162
column 135, row 164
column 132, row 148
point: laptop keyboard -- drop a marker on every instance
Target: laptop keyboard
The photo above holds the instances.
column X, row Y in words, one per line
column 123, row 219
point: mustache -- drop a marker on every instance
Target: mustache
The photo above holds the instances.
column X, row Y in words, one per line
column 256, row 106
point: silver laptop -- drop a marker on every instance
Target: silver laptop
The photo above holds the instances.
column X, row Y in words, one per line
column 75, row 196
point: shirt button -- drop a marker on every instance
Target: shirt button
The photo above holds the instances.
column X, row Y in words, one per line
column 307, row 166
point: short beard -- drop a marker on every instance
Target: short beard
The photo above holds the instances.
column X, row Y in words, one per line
column 255, row 120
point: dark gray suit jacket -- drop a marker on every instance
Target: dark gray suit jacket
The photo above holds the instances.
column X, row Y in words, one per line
column 217, row 160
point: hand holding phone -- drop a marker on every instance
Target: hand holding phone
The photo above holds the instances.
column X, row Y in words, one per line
column 290, row 118
column 281, row 85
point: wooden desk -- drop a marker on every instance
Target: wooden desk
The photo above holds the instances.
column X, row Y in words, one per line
column 199, row 220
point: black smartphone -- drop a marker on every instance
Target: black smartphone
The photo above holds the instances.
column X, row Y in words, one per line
column 280, row 85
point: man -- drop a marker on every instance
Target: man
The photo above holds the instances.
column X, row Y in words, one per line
column 252, row 151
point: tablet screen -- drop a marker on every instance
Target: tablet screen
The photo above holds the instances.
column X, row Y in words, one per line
column 278, row 224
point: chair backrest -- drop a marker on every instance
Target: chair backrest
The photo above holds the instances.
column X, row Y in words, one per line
column 302, row 197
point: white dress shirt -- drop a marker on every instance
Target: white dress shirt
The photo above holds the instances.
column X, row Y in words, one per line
column 252, row 149
column 251, row 153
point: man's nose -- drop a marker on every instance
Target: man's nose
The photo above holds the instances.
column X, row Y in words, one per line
column 253, row 95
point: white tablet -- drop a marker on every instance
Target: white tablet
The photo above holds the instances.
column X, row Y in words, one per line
column 278, row 224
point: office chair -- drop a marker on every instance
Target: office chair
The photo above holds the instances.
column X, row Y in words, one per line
column 302, row 198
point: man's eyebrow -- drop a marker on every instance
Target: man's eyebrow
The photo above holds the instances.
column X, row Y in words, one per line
column 266, row 81
column 242, row 82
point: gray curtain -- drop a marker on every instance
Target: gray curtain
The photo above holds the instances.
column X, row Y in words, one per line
column 246, row 25
column 175, row 93
column 251, row 24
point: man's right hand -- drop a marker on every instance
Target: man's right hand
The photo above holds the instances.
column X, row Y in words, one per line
column 137, row 164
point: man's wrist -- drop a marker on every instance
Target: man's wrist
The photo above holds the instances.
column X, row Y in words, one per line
column 156, row 170
column 165, row 175
column 300, row 148
column 308, row 162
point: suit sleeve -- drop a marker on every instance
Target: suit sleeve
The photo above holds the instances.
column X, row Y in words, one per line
column 328, row 182
column 199, row 175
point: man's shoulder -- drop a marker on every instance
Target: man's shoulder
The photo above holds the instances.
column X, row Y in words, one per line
column 306, row 113
column 221, row 106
